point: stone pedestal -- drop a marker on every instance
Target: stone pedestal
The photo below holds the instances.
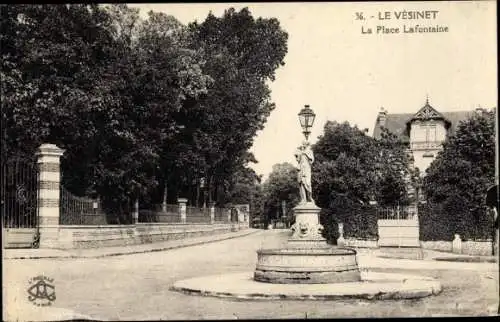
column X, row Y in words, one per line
column 307, row 231
column 307, row 258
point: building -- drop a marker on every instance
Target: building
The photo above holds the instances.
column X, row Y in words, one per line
column 424, row 131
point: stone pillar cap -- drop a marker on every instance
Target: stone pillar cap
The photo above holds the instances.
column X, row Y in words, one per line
column 49, row 149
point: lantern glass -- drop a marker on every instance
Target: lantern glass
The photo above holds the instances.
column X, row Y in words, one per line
column 306, row 118
column 303, row 121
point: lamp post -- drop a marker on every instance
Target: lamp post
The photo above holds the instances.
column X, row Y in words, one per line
column 306, row 118
column 306, row 230
column 306, row 258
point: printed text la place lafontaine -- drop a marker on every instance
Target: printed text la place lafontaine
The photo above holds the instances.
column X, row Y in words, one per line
column 385, row 22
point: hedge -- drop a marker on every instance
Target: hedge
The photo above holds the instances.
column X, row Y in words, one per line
column 360, row 223
column 443, row 221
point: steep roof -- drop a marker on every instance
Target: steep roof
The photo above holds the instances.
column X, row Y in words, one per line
column 397, row 123
column 427, row 112
column 456, row 117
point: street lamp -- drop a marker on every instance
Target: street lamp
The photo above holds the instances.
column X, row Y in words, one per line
column 306, row 118
column 306, row 258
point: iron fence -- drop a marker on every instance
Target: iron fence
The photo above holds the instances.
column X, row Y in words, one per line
column 397, row 213
column 80, row 210
column 221, row 215
column 197, row 215
column 19, row 193
column 158, row 214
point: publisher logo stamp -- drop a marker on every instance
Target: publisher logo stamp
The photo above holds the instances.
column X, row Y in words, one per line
column 41, row 291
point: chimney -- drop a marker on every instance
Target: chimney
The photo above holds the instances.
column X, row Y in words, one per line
column 382, row 117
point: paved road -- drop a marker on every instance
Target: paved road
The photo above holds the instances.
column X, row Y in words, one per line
column 133, row 287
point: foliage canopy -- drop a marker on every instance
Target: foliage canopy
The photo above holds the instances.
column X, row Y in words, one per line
column 142, row 106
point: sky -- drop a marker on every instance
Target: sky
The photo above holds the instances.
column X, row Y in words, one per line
column 347, row 75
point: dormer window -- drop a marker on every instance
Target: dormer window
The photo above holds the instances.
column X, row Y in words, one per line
column 430, row 133
column 426, row 122
column 423, row 132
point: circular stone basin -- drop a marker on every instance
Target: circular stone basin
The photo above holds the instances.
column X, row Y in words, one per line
column 373, row 286
column 307, row 266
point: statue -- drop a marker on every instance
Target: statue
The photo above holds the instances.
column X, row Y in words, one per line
column 305, row 158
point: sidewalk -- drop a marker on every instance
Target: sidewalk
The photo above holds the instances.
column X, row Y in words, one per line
column 371, row 260
column 428, row 254
column 120, row 250
column 433, row 254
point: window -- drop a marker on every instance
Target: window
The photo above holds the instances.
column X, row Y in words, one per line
column 431, row 132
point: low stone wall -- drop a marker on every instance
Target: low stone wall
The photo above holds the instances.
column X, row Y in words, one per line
column 361, row 243
column 480, row 248
column 122, row 235
column 440, row 245
column 475, row 248
column 18, row 237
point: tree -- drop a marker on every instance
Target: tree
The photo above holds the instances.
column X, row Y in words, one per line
column 395, row 171
column 81, row 77
column 457, row 180
column 345, row 179
column 241, row 54
column 245, row 188
column 165, row 73
column 242, row 186
column 52, row 55
column 141, row 107
column 282, row 185
column 352, row 169
column 346, row 164
column 60, row 55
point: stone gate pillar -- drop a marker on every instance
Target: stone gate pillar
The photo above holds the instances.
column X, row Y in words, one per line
column 211, row 206
column 456, row 245
column 182, row 208
column 49, row 156
column 135, row 214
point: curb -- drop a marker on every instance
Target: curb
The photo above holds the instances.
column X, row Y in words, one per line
column 377, row 286
column 187, row 244
column 471, row 259
column 394, row 295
